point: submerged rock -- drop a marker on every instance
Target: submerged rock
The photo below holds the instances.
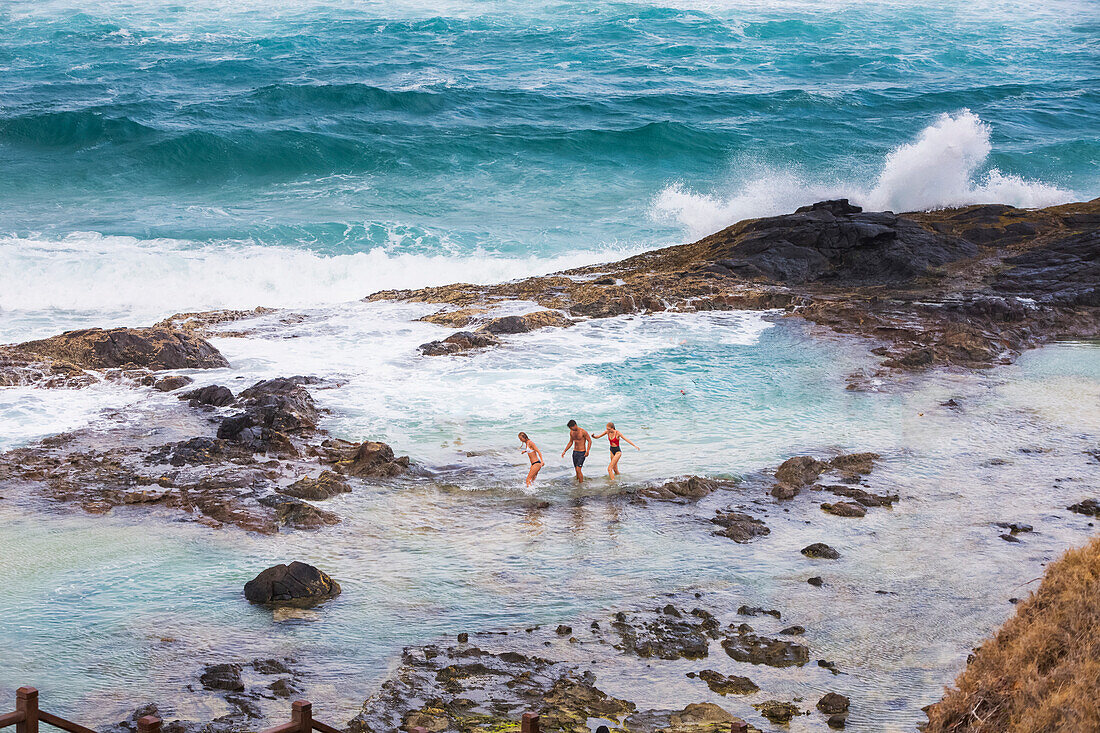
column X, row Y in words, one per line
column 690, row 488
column 296, row 584
column 297, row 514
column 738, row 526
column 777, row 711
column 222, row 677
column 748, row 647
column 1088, row 507
column 723, row 685
column 668, row 636
column 800, row 471
column 844, row 509
column 527, row 322
column 172, row 383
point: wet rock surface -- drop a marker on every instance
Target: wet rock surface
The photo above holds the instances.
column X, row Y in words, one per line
column 753, row 649
column 216, row 458
column 669, row 634
column 459, row 343
column 1088, row 507
column 738, row 526
column 821, row 551
column 690, row 488
column 296, row 584
column 956, row 286
column 731, row 685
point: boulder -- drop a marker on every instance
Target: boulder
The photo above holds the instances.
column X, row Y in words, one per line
column 369, row 459
column 172, row 383
column 222, row 677
column 153, row 348
column 821, row 551
column 296, row 584
column 832, row 703
column 327, row 485
column 800, row 471
column 458, row 343
column 214, row 395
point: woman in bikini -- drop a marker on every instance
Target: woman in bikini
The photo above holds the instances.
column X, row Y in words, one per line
column 534, row 454
column 613, row 437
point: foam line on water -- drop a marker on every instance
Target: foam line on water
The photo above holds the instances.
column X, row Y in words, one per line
column 942, row 167
column 157, row 277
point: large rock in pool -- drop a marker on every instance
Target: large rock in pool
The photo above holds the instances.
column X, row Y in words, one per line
column 154, row 348
column 296, row 584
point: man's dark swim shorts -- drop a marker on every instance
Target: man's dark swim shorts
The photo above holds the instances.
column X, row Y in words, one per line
column 578, row 458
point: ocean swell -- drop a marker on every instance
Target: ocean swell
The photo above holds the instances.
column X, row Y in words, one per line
column 945, row 166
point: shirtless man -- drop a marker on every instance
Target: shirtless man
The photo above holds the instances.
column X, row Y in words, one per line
column 581, row 442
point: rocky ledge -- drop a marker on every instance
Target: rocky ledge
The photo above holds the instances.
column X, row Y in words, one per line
column 970, row 287
column 254, row 460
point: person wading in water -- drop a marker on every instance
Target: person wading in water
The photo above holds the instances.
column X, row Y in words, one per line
column 534, row 454
column 581, row 442
column 613, row 437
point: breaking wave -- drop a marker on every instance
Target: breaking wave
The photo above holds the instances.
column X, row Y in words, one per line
column 943, row 167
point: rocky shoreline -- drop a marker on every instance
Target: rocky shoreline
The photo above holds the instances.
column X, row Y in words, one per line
column 968, row 288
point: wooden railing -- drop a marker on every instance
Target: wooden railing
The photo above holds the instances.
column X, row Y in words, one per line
column 27, row 716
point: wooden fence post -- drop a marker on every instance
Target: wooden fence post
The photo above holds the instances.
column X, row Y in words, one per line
column 739, row 726
column 301, row 714
column 148, row 724
column 530, row 723
column 26, row 702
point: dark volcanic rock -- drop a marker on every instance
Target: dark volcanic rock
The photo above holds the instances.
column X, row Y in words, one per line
column 1064, row 272
column 325, row 486
column 757, row 611
column 800, row 471
column 844, row 509
column 296, row 584
column 200, row 452
column 1088, row 507
column 214, row 395
column 152, row 348
column 821, row 551
column 865, row 498
column 832, row 703
column 723, row 685
column 458, row 343
column 222, row 677
column 748, row 647
column 777, row 711
column 666, row 635
column 738, row 526
column 172, row 383
column 690, row 488
column 369, row 459
column 835, row 241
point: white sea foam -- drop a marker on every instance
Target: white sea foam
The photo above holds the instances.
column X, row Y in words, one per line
column 941, row 168
column 151, row 278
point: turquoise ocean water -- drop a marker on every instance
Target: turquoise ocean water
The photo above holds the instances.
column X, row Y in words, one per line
column 162, row 157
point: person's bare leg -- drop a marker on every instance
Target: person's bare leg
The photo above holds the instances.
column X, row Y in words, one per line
column 615, row 463
column 580, row 476
column 532, row 473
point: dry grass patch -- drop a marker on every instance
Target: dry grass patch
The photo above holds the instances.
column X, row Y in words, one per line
column 1041, row 671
